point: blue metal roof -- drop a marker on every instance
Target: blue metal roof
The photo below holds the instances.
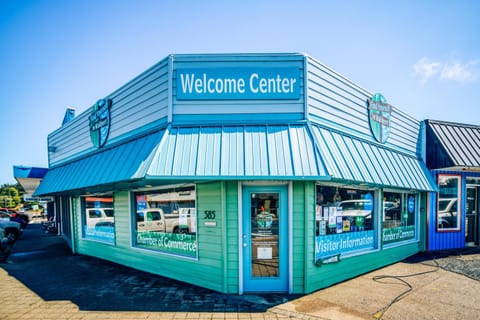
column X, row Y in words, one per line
column 29, row 172
column 243, row 152
column 274, row 152
column 121, row 163
column 350, row 159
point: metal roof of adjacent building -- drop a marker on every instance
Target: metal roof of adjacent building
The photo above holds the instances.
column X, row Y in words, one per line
column 461, row 142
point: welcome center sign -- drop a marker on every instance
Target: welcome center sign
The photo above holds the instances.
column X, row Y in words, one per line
column 237, row 83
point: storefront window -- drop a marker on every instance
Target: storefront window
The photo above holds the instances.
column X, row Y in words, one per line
column 98, row 218
column 166, row 221
column 398, row 217
column 344, row 221
column 448, row 205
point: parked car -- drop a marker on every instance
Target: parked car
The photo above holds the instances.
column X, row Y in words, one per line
column 16, row 216
column 157, row 220
column 12, row 229
column 6, row 244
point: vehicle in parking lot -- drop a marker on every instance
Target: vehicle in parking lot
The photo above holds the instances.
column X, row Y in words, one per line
column 12, row 229
column 16, row 216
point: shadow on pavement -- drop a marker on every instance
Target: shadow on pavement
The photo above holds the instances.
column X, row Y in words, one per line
column 464, row 261
column 44, row 263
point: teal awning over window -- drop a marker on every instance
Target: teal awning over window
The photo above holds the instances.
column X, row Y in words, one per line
column 348, row 159
column 121, row 163
column 238, row 152
column 206, row 153
column 254, row 152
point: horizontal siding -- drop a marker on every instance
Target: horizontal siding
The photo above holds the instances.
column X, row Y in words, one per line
column 207, row 271
column 337, row 102
column 136, row 105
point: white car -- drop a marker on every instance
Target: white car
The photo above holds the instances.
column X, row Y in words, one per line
column 13, row 230
column 356, row 208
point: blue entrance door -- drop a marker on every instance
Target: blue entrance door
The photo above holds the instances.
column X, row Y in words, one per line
column 265, row 239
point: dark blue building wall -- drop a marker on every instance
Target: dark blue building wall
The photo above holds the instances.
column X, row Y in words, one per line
column 441, row 240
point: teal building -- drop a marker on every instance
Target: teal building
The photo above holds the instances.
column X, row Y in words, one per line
column 241, row 173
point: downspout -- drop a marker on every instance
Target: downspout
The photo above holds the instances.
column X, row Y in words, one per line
column 73, row 231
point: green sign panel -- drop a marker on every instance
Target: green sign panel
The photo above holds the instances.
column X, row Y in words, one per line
column 397, row 234
column 173, row 243
column 379, row 113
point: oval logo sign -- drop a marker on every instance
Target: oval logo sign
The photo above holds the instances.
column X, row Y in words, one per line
column 99, row 121
column 379, row 114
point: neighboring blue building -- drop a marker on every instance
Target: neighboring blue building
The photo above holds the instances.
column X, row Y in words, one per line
column 453, row 156
column 242, row 173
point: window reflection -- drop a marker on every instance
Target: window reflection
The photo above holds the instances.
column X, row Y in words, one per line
column 448, row 217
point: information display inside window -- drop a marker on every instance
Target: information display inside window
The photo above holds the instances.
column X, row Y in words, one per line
column 448, row 202
column 344, row 221
column 399, row 216
column 166, row 221
column 98, row 218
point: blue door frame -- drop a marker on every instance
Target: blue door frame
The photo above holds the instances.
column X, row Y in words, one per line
column 265, row 238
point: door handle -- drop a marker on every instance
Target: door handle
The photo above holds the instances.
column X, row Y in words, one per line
column 245, row 245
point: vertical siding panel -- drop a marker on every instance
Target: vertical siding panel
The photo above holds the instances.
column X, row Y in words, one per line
column 299, row 236
column 232, row 254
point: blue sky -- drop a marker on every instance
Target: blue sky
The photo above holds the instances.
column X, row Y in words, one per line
column 423, row 56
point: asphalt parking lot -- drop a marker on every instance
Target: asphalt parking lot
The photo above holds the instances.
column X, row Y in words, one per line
column 42, row 279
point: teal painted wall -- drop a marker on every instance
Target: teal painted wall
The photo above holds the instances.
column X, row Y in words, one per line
column 208, row 271
column 350, row 267
column 300, row 195
column 217, row 266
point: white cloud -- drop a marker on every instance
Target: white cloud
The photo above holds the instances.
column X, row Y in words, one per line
column 457, row 72
column 446, row 71
column 426, row 68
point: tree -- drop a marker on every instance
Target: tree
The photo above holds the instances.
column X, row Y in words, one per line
column 9, row 196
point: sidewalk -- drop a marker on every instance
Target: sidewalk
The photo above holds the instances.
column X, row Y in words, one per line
column 43, row 280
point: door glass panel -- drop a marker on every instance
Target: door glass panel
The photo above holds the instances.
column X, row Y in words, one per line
column 471, row 221
column 265, row 236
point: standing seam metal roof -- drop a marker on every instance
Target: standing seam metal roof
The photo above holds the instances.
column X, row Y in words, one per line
column 461, row 142
column 253, row 152
column 243, row 152
column 351, row 159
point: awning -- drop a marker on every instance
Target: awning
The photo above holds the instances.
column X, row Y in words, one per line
column 29, row 177
column 196, row 153
column 238, row 152
column 348, row 159
column 253, row 152
column 125, row 162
